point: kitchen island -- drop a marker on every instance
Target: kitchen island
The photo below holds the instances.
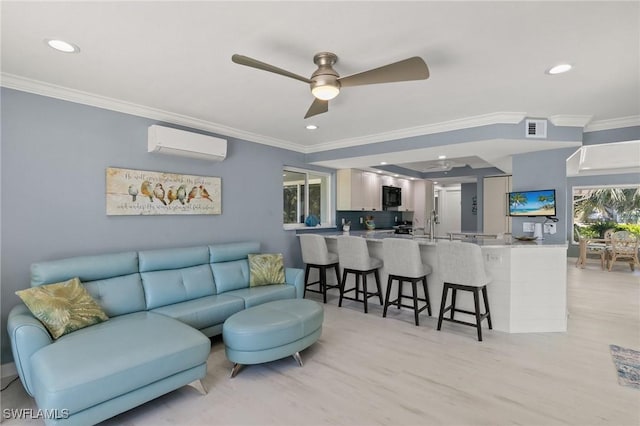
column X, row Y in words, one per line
column 528, row 291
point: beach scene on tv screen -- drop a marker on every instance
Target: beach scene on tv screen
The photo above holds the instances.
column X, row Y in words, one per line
column 532, row 203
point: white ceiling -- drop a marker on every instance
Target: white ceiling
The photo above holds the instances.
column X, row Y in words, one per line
column 173, row 60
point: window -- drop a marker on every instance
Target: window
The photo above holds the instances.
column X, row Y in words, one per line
column 305, row 193
column 598, row 208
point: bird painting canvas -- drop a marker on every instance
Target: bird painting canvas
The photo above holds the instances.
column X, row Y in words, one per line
column 139, row 192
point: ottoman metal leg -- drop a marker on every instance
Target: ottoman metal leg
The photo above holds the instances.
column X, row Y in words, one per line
column 236, row 368
column 296, row 356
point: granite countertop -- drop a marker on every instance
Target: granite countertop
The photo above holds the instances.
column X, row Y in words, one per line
column 378, row 235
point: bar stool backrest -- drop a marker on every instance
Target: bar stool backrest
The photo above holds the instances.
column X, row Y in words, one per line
column 353, row 253
column 402, row 257
column 461, row 263
column 314, row 249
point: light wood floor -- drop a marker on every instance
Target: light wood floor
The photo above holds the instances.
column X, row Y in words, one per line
column 366, row 370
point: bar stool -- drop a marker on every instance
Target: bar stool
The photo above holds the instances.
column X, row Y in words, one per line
column 402, row 262
column 316, row 255
column 355, row 259
column 461, row 267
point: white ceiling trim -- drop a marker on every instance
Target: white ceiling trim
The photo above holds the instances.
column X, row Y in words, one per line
column 570, row 120
column 614, row 123
column 12, row 81
column 446, row 126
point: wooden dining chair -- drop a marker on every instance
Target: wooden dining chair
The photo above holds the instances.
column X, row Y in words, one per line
column 591, row 246
column 624, row 246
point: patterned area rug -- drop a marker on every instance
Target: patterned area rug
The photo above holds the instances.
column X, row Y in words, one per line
column 628, row 365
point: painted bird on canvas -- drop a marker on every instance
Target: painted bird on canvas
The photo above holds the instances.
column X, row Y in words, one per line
column 192, row 194
column 172, row 194
column 159, row 193
column 182, row 194
column 133, row 191
column 204, row 193
column 146, row 190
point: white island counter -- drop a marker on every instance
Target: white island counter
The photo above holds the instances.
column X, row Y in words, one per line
column 528, row 292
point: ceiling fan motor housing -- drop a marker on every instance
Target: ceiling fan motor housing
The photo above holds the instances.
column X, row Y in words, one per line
column 325, row 75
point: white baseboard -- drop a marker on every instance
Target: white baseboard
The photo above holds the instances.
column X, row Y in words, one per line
column 8, row 370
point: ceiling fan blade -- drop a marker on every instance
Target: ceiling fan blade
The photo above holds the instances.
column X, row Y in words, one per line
column 317, row 107
column 409, row 69
column 254, row 63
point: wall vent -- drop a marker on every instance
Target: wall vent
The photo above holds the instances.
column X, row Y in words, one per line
column 536, row 129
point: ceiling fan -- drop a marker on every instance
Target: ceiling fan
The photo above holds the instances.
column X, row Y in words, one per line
column 440, row 165
column 326, row 83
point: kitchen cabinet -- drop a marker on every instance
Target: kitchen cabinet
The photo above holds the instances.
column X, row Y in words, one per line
column 494, row 199
column 407, row 194
column 358, row 190
column 372, row 191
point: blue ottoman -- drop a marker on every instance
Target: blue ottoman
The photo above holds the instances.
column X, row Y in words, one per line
column 271, row 331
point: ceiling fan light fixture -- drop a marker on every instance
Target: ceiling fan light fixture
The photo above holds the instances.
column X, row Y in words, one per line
column 325, row 92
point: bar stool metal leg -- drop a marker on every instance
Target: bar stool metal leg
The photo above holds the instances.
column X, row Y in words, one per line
column 426, row 294
column 454, row 293
column 387, row 296
column 445, row 290
column 415, row 301
column 486, row 306
column 377, row 275
column 476, row 304
column 365, row 292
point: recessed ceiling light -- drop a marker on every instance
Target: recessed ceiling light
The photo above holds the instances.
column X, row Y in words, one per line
column 379, row 171
column 441, row 157
column 383, row 162
column 396, row 175
column 311, row 127
column 559, row 69
column 435, row 182
column 412, row 178
column 62, row 46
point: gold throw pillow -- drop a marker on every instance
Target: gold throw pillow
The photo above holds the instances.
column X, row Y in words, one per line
column 63, row 307
column 266, row 269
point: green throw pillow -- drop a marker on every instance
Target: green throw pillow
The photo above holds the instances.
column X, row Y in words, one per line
column 63, row 307
column 266, row 269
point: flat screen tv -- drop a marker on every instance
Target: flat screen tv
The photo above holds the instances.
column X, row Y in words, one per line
column 532, row 203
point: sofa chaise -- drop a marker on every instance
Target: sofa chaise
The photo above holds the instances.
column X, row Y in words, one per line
column 162, row 307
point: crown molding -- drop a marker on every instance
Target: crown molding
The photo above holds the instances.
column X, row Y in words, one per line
column 446, row 126
column 59, row 92
column 614, row 123
column 12, row 81
column 567, row 120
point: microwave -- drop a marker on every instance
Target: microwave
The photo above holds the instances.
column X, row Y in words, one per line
column 391, row 196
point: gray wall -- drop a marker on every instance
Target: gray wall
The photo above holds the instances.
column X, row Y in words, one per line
column 469, row 220
column 543, row 170
column 612, row 135
column 54, row 155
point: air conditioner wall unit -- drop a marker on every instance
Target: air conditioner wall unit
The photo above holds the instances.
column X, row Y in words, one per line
column 166, row 140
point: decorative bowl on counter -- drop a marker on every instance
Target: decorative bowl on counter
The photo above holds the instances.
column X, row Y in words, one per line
column 525, row 238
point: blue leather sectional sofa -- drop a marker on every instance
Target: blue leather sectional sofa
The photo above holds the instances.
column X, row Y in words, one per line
column 162, row 305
